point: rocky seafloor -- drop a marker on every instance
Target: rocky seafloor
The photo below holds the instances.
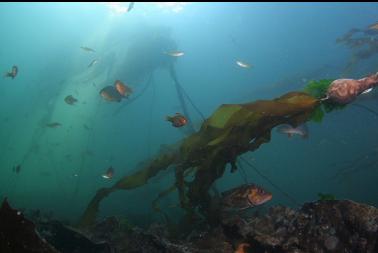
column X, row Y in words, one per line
column 322, row 226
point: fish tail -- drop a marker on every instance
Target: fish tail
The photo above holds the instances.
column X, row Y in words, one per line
column 168, row 118
column 7, row 74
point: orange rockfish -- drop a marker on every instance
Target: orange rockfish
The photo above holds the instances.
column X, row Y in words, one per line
column 13, row 72
column 242, row 248
column 290, row 131
column 244, row 196
column 178, row 120
column 109, row 93
column 123, row 90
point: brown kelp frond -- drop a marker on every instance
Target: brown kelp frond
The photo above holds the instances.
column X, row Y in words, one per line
column 132, row 181
column 230, row 131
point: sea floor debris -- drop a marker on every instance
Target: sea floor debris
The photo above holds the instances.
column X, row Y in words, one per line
column 321, row 226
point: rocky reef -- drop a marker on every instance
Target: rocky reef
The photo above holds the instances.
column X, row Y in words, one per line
column 18, row 234
column 322, row 226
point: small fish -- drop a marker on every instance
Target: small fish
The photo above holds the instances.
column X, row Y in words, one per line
column 12, row 73
column 290, row 131
column 70, row 100
column 123, row 90
column 109, row 173
column 17, row 169
column 178, row 120
column 243, row 64
column 374, row 26
column 245, row 196
column 87, row 127
column 92, row 63
column 53, row 125
column 110, row 93
column 88, row 49
column 131, row 6
column 175, row 53
column 75, row 175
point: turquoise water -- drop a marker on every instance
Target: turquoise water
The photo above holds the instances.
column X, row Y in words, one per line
column 286, row 44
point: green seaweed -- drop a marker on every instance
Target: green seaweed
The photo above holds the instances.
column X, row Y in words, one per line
column 326, row 196
column 318, row 89
column 318, row 115
column 329, row 107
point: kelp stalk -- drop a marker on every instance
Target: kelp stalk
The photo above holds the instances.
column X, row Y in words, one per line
column 231, row 131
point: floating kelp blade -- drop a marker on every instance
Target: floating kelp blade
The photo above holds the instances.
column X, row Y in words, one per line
column 232, row 130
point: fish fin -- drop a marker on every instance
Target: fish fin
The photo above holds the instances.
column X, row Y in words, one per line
column 305, row 131
column 367, row 91
column 168, row 118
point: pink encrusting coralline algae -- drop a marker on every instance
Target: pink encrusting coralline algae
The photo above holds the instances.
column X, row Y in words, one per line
column 344, row 91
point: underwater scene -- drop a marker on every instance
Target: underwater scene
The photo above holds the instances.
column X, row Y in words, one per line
column 189, row 127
